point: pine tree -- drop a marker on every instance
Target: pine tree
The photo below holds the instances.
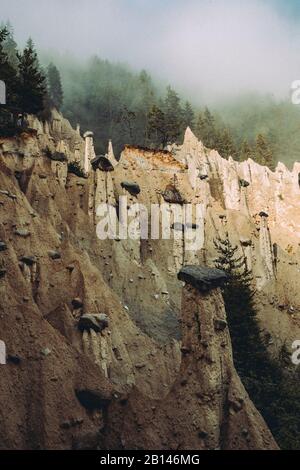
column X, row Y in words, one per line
column 238, row 298
column 225, row 145
column 9, row 76
column 274, row 393
column 32, row 87
column 246, row 151
column 10, row 46
column 206, row 129
column 263, row 152
column 173, row 115
column 157, row 126
column 188, row 116
column 127, row 119
column 147, row 90
column 200, row 126
column 55, row 90
column 210, row 138
column 146, row 98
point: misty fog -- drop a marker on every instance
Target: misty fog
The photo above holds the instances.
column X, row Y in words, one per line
column 212, row 49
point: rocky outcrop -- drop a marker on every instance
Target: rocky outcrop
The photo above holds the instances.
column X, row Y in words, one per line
column 131, row 187
column 266, row 248
column 163, row 349
column 172, row 195
column 207, row 406
column 89, row 154
column 201, row 277
column 96, row 322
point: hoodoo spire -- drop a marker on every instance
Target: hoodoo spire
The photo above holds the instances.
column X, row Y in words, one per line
column 110, row 154
column 89, row 153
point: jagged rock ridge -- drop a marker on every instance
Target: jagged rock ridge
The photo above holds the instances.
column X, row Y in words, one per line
column 143, row 354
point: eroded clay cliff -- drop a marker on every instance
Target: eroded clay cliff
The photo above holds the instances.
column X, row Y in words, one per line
column 94, row 329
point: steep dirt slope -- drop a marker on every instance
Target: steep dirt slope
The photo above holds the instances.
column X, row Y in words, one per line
column 67, row 384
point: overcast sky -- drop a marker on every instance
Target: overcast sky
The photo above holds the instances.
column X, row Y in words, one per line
column 209, row 47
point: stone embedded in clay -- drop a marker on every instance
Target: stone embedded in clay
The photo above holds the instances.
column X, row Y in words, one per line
column 263, row 214
column 29, row 260
column 220, row 325
column 132, row 188
column 24, row 233
column 3, row 272
column 172, row 195
column 77, row 303
column 92, row 399
column 102, row 163
column 202, row 277
column 96, row 322
column 244, row 183
column 57, row 156
column 3, row 246
column 54, row 254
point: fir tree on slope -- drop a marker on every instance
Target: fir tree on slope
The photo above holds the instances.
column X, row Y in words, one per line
column 238, row 298
column 55, row 90
column 143, row 104
column 32, row 82
column 264, row 155
column 10, row 46
column 246, row 151
column 9, row 76
column 206, row 129
column 225, row 144
column 157, row 132
column 188, row 116
column 273, row 391
column 173, row 115
column 210, row 135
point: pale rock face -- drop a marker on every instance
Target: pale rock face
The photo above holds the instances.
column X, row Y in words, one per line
column 95, row 346
column 89, row 153
column 141, row 354
column 2, row 353
column 61, row 171
column 110, row 154
column 266, row 249
column 101, row 191
column 206, row 387
column 249, row 188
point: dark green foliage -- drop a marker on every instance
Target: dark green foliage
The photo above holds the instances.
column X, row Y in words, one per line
column 25, row 83
column 226, row 145
column 116, row 103
column 206, row 129
column 263, row 152
column 173, row 115
column 211, row 131
column 32, row 82
column 9, row 76
column 188, row 116
column 55, row 90
column 127, row 121
column 278, row 122
column 246, row 151
column 109, row 100
column 157, row 126
column 238, row 297
column 10, row 46
column 272, row 387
